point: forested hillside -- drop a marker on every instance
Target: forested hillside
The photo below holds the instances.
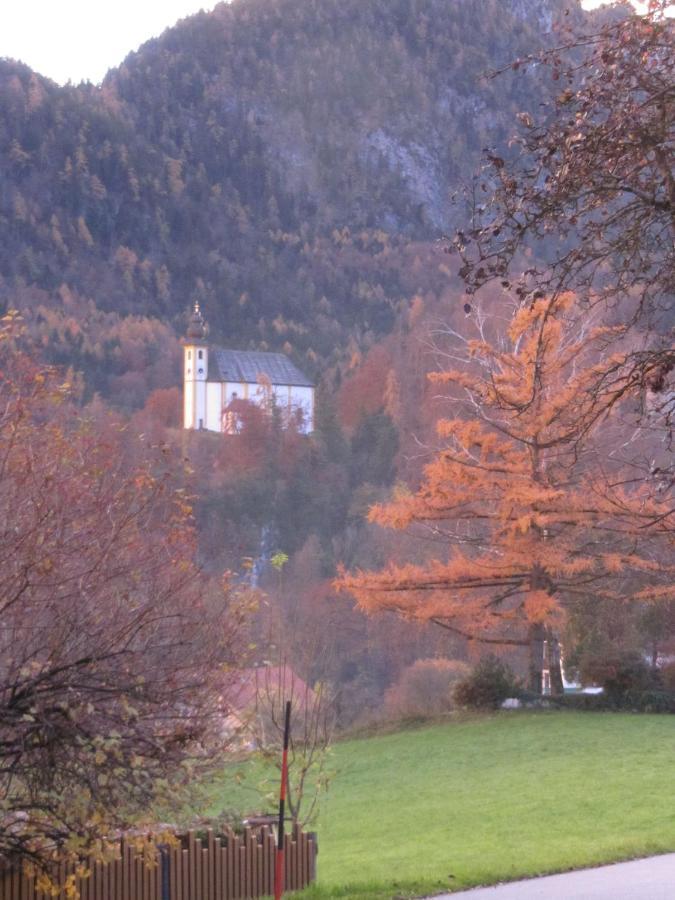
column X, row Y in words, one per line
column 285, row 162
column 290, row 164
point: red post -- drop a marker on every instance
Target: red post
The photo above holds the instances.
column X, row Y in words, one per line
column 279, row 869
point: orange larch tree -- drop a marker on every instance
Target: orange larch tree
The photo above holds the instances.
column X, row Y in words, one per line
column 525, row 499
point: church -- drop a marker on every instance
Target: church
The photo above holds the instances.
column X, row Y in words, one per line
column 218, row 383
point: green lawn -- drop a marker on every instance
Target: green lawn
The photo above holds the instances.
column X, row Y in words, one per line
column 488, row 799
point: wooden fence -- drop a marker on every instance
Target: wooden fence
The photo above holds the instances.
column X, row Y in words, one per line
column 220, row 867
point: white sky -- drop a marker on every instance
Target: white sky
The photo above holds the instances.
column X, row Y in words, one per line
column 80, row 40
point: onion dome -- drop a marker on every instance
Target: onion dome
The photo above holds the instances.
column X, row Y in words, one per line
column 196, row 327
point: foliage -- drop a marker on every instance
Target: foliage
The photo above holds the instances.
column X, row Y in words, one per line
column 620, row 673
column 113, row 645
column 525, row 514
column 312, row 723
column 490, row 682
column 424, row 689
column 645, row 701
column 590, row 194
column 279, row 560
column 599, row 629
column 667, row 676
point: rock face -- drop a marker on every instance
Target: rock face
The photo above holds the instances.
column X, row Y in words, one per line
column 220, row 161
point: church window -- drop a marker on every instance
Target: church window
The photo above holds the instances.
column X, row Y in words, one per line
column 189, row 354
column 201, row 354
column 201, row 371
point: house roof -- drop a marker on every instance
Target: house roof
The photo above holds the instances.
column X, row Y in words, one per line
column 250, row 687
column 248, row 366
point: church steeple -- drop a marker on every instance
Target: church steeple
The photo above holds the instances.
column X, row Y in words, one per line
column 195, row 370
column 197, row 326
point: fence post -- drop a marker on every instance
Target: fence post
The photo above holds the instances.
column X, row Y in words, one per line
column 314, row 844
column 165, row 871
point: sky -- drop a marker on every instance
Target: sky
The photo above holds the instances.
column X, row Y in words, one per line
column 79, row 40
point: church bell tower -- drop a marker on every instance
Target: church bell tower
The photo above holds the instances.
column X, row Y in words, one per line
column 195, row 369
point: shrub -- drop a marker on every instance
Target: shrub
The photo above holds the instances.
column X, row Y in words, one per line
column 424, row 689
column 651, row 701
column 667, row 674
column 583, row 702
column 622, row 672
column 490, row 682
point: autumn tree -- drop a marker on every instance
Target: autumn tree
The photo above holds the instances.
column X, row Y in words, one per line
column 112, row 644
column 312, row 727
column 585, row 201
column 525, row 512
column 301, row 653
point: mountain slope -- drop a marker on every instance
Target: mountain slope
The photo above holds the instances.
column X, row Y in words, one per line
column 287, row 162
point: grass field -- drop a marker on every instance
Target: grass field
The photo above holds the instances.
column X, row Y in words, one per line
column 488, row 799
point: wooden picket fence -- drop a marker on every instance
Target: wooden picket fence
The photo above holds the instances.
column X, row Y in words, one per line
column 228, row 866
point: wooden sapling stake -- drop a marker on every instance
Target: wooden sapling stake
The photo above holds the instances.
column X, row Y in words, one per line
column 279, row 870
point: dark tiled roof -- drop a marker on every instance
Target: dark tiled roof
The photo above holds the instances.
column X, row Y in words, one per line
column 248, row 366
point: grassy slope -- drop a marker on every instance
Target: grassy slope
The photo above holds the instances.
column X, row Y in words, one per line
column 494, row 798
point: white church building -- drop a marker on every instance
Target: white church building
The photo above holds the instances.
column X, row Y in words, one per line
column 218, row 382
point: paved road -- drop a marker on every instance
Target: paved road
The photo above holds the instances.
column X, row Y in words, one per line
column 641, row 879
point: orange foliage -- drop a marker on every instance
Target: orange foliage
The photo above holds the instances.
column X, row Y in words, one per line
column 368, row 390
column 164, row 407
column 531, row 513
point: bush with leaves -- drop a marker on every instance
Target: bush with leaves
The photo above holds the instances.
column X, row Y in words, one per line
column 652, row 701
column 111, row 640
column 490, row 682
column 425, row 689
column 621, row 673
column 667, row 677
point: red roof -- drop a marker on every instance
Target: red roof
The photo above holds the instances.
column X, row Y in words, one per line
column 248, row 687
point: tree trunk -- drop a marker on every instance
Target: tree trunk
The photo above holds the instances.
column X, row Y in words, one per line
column 554, row 665
column 536, row 641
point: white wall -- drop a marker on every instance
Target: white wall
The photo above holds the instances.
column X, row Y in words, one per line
column 194, row 386
column 214, row 406
column 232, row 388
column 188, row 405
column 200, row 404
column 207, row 402
column 302, row 398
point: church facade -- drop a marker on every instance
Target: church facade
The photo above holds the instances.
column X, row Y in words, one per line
column 218, row 383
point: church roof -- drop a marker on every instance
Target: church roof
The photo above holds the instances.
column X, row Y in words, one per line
column 248, row 366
